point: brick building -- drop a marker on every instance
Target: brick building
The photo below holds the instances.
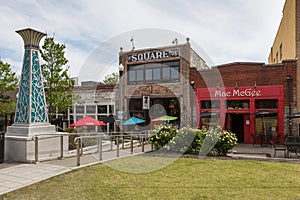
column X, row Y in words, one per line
column 155, row 82
column 233, row 96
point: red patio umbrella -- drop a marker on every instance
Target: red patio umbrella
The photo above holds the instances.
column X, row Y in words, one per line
column 88, row 121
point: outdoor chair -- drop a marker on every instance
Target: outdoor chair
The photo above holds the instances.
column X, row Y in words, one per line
column 278, row 148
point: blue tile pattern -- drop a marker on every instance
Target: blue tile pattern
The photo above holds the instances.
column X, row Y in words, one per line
column 22, row 115
column 31, row 105
column 38, row 103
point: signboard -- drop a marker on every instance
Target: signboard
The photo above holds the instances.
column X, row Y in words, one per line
column 153, row 55
column 146, row 102
column 248, row 92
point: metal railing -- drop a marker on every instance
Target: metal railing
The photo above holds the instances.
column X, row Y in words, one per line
column 141, row 137
column 37, row 138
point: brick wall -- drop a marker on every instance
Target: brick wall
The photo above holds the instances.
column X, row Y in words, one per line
column 247, row 74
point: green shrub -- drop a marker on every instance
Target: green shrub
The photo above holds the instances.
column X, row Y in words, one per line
column 214, row 142
column 187, row 140
column 222, row 140
column 226, row 141
column 161, row 135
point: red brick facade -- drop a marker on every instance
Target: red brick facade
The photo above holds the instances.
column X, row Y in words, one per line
column 270, row 80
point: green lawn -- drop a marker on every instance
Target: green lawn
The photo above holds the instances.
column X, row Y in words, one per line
column 186, row 178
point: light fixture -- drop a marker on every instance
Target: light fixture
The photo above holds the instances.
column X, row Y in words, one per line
column 254, row 85
column 236, row 85
column 121, row 67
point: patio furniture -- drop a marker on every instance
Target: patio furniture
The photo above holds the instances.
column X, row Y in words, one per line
column 277, row 147
column 292, row 144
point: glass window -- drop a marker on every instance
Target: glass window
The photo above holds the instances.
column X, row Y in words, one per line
column 102, row 109
column 79, row 109
column 266, row 125
column 90, row 109
column 149, row 74
column 210, row 122
column 174, row 72
column 166, row 73
column 210, row 104
column 139, row 75
column 156, row 74
column 79, row 118
column 131, row 75
column 266, row 103
column 238, row 104
column 153, row 72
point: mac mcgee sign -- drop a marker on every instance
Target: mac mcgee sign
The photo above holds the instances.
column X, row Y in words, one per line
column 248, row 92
column 153, row 55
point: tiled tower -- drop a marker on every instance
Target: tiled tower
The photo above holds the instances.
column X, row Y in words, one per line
column 31, row 117
column 31, row 107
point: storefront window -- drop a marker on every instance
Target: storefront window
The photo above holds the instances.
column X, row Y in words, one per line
column 210, row 104
column 79, row 109
column 154, row 73
column 266, row 103
column 266, row 125
column 210, row 122
column 238, row 104
column 90, row 109
column 102, row 109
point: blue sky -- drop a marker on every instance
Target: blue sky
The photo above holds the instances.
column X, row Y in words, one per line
column 226, row 30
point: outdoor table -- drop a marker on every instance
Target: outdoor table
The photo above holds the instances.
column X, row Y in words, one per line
column 292, row 147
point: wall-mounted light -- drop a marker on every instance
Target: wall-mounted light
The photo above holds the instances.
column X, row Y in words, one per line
column 236, row 85
column 254, row 85
column 121, row 69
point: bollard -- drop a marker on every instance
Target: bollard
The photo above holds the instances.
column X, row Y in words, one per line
column 36, row 149
column 61, row 147
column 143, row 143
column 123, row 147
column 100, row 148
column 131, row 144
column 117, row 140
column 77, row 141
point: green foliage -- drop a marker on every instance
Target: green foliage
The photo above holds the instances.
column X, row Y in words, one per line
column 111, row 79
column 214, row 142
column 8, row 82
column 226, row 141
column 187, row 140
column 57, row 83
column 223, row 140
column 161, row 135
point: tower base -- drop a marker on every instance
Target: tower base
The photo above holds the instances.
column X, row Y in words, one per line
column 21, row 144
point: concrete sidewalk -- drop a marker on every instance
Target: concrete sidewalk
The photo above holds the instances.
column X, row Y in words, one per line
column 15, row 175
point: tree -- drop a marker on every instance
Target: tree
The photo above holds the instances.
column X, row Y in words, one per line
column 58, row 85
column 8, row 82
column 111, row 79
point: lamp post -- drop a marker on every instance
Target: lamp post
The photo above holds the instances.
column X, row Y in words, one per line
column 192, row 95
column 289, row 80
column 121, row 71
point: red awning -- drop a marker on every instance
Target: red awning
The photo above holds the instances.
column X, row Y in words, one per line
column 88, row 121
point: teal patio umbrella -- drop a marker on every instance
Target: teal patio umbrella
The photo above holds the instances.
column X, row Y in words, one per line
column 133, row 120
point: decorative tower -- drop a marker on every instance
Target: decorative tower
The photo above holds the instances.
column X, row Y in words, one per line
column 31, row 119
column 31, row 111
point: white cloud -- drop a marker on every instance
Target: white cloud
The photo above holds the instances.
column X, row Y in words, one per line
column 228, row 30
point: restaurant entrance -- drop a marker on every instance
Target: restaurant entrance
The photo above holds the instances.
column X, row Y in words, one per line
column 237, row 126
